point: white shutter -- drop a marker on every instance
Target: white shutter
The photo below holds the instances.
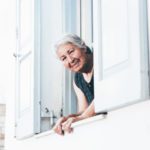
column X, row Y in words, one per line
column 120, row 53
column 25, row 59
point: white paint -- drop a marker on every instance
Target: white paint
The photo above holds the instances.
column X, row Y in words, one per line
column 7, row 47
column 124, row 80
column 126, row 129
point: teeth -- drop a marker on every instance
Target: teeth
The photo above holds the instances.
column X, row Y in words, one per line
column 75, row 65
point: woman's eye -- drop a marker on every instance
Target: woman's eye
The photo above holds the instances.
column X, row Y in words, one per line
column 63, row 59
column 71, row 51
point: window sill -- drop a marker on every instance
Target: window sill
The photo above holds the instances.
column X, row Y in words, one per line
column 74, row 125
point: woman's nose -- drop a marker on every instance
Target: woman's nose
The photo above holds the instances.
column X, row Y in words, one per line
column 70, row 59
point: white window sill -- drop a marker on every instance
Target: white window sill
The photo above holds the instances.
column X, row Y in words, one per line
column 74, row 125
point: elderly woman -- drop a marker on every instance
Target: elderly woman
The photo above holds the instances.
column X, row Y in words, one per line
column 77, row 57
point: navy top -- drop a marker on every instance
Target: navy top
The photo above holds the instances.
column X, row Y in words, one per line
column 86, row 88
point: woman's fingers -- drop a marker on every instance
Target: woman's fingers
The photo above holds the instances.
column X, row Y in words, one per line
column 66, row 126
column 58, row 129
column 58, row 126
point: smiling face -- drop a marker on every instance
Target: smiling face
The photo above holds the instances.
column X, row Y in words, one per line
column 72, row 57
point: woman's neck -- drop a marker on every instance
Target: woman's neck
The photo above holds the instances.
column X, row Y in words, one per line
column 88, row 76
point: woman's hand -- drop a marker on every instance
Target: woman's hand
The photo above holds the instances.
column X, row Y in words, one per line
column 58, row 126
column 66, row 126
column 64, row 123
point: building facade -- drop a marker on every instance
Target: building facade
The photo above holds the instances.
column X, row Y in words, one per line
column 117, row 31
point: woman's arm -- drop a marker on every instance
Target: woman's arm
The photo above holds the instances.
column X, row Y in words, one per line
column 89, row 112
column 84, row 111
column 64, row 123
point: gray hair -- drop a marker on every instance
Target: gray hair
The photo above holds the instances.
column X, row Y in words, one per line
column 70, row 39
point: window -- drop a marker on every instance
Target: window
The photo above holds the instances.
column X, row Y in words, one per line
column 116, row 30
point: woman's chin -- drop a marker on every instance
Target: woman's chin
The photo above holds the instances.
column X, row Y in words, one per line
column 76, row 69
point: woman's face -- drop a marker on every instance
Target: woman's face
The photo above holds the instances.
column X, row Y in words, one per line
column 72, row 57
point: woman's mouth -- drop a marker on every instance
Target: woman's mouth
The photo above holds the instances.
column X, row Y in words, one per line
column 75, row 64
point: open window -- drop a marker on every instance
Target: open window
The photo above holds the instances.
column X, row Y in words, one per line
column 42, row 91
column 116, row 31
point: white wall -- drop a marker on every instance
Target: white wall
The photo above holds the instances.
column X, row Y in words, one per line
column 7, row 47
column 124, row 129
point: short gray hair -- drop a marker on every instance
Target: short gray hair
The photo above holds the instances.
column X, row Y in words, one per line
column 70, row 39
